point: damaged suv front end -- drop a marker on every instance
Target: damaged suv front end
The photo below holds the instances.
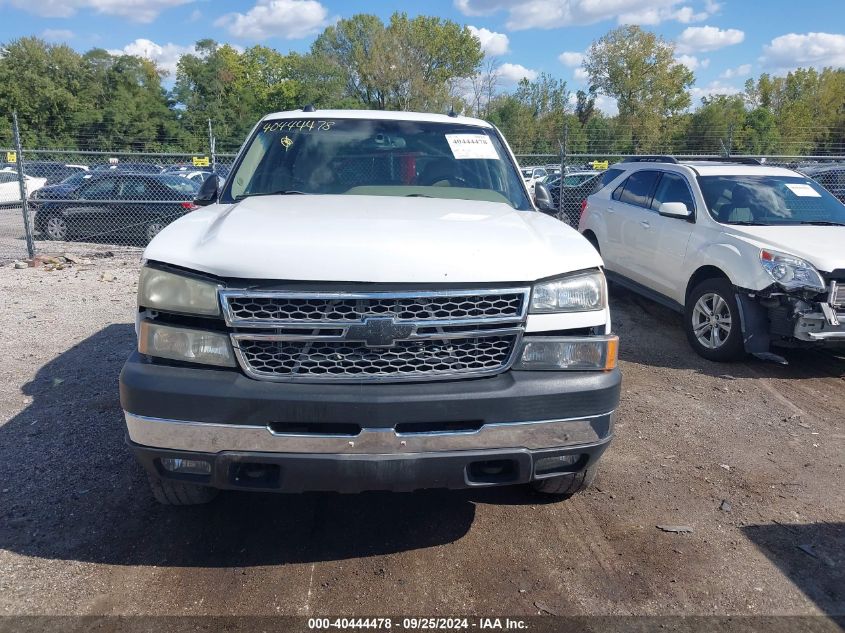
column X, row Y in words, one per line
column 803, row 305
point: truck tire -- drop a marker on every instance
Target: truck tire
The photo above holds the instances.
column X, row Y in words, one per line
column 711, row 321
column 179, row 493
column 565, row 486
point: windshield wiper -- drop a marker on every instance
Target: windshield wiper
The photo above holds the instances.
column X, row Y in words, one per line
column 280, row 192
column 745, row 223
column 822, row 223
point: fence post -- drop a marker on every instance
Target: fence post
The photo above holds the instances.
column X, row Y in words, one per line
column 730, row 139
column 564, row 148
column 30, row 244
column 212, row 146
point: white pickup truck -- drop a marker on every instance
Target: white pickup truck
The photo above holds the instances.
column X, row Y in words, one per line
column 372, row 301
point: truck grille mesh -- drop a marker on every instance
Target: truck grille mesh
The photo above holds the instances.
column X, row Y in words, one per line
column 343, row 310
column 403, row 360
column 388, row 336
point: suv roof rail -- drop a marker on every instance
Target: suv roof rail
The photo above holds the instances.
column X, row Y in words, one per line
column 740, row 160
column 650, row 159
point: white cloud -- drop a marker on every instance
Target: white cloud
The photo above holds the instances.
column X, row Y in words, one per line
column 580, row 74
column 516, row 72
column 713, row 88
column 570, row 58
column 135, row 10
column 607, row 105
column 57, row 35
column 655, row 15
column 795, row 50
column 166, row 56
column 692, row 62
column 287, row 19
column 549, row 14
column 740, row 71
column 492, row 43
column 707, row 38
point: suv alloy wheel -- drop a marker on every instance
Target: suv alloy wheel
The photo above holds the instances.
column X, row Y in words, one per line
column 711, row 321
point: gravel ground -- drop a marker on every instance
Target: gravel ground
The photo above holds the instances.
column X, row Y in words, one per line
column 749, row 456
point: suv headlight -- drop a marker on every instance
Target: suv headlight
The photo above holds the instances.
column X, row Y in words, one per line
column 161, row 290
column 581, row 292
column 791, row 272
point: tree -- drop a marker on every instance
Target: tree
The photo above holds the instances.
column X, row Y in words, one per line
column 711, row 125
column 585, row 105
column 484, row 86
column 638, row 69
column 42, row 82
column 409, row 64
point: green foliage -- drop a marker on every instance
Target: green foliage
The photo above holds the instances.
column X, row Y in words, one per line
column 638, row 69
column 408, row 64
column 101, row 101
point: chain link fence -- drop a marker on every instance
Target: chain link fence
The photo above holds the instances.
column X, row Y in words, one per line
column 571, row 178
column 52, row 199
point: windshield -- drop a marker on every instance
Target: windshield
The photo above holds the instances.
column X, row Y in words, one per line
column 770, row 200
column 373, row 157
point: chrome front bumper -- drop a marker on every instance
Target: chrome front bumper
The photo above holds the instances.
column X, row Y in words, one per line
column 182, row 435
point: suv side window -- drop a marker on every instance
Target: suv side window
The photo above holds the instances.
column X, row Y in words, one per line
column 672, row 188
column 637, row 189
column 607, row 177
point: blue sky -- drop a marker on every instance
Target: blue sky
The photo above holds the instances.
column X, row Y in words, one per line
column 723, row 41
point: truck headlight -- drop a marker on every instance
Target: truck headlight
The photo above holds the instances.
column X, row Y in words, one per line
column 556, row 353
column 574, row 293
column 791, row 272
column 162, row 290
column 191, row 346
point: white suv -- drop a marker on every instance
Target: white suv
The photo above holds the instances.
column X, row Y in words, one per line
column 751, row 255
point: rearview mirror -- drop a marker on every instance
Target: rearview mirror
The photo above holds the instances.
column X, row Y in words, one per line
column 543, row 199
column 674, row 210
column 208, row 191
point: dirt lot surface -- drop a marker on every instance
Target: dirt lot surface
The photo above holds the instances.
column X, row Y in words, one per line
column 749, row 456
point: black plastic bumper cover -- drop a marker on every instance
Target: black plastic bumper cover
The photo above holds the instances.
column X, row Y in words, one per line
column 229, row 397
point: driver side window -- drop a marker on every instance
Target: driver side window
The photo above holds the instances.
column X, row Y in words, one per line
column 672, row 188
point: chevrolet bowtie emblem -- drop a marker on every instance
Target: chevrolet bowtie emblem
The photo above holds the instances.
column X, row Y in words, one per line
column 379, row 332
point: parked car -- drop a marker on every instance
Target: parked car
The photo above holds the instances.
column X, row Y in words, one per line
column 52, row 171
column 372, row 301
column 135, row 168
column 751, row 255
column 532, row 175
column 10, row 191
column 194, row 173
column 116, row 204
column 831, row 177
column 578, row 185
column 58, row 191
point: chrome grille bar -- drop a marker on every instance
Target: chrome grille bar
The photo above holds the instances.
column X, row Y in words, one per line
column 291, row 336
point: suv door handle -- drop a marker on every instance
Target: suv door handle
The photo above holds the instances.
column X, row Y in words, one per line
column 645, row 224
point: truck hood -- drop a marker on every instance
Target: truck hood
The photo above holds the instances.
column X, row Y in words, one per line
column 372, row 239
column 822, row 246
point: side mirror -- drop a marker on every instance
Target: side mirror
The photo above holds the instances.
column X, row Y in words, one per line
column 543, row 198
column 674, row 210
column 209, row 190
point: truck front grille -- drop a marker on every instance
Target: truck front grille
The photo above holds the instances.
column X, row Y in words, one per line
column 254, row 308
column 401, row 361
column 387, row 336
